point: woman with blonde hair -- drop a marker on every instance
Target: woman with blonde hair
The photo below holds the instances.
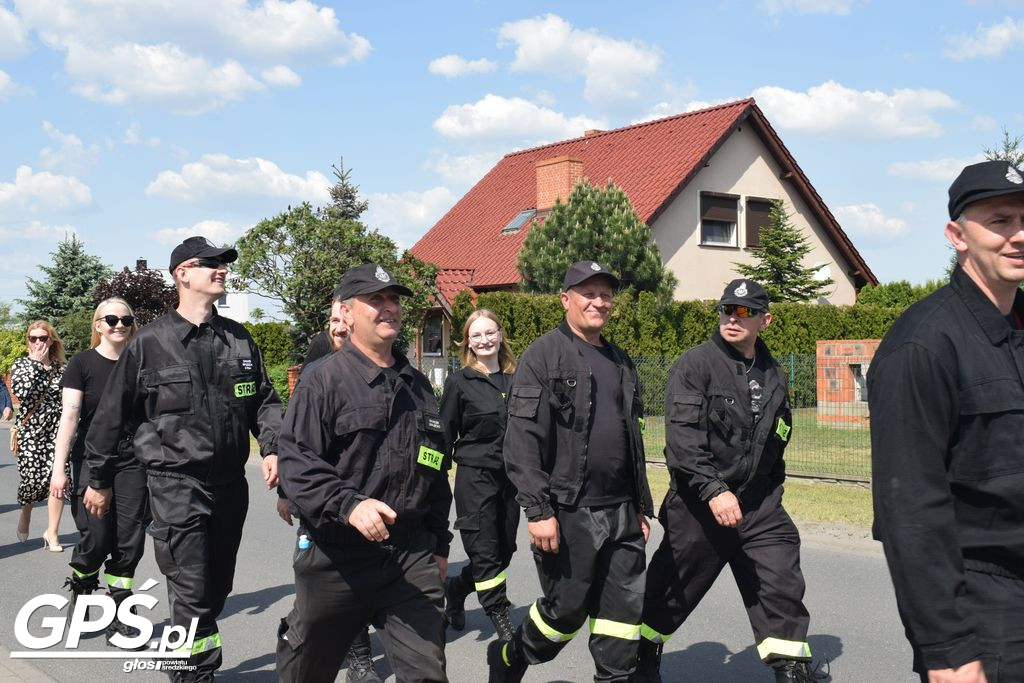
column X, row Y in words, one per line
column 473, row 412
column 35, row 380
column 118, row 537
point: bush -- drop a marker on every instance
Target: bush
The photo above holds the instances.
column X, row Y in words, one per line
column 273, row 340
column 12, row 347
column 278, row 375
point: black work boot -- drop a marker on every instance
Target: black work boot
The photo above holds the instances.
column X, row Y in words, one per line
column 648, row 667
column 792, row 671
column 80, row 585
column 504, row 663
column 502, row 624
column 116, row 626
column 455, row 593
column 360, row 660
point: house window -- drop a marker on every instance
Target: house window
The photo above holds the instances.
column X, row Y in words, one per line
column 758, row 218
column 518, row 221
column 431, row 336
column 719, row 215
column 223, row 300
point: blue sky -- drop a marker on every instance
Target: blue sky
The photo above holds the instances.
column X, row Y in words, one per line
column 135, row 124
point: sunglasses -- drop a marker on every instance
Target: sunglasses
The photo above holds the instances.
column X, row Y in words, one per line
column 41, row 338
column 205, row 262
column 111, row 320
column 737, row 310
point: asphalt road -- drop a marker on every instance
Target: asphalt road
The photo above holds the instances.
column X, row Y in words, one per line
column 853, row 615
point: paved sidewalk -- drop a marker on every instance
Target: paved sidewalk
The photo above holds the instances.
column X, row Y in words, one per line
column 19, row 670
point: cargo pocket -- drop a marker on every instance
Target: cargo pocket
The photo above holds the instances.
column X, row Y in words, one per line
column 468, row 522
column 169, row 391
column 685, row 408
column 524, row 402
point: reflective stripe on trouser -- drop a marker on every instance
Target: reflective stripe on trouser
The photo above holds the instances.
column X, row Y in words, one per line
column 118, row 539
column 777, row 648
column 489, row 583
column 83, row 575
column 763, row 553
column 597, row 572
column 196, row 532
column 650, row 634
column 125, row 582
column 201, row 645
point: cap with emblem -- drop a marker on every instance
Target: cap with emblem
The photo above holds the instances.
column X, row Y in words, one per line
column 744, row 292
column 366, row 279
column 983, row 181
column 200, row 247
column 582, row 271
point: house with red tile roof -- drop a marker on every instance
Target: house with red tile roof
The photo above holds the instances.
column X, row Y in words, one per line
column 703, row 181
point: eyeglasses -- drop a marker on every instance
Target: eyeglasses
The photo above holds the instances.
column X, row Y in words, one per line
column 206, row 262
column 41, row 338
column 480, row 336
column 737, row 310
column 126, row 320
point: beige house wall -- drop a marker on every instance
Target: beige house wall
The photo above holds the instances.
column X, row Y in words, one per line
column 742, row 166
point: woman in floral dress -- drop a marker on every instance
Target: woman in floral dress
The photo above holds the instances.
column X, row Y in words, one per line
column 35, row 380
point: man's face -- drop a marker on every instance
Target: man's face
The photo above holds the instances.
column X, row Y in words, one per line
column 374, row 318
column 337, row 330
column 203, row 275
column 741, row 331
column 990, row 242
column 588, row 304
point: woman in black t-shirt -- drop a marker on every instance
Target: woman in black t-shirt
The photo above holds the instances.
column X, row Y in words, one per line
column 117, row 538
column 473, row 413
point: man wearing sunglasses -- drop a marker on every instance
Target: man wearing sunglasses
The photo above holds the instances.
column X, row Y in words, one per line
column 191, row 386
column 946, row 393
column 727, row 423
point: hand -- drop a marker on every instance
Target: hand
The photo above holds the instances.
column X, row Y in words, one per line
column 544, row 534
column 645, row 526
column 442, row 566
column 97, row 501
column 39, row 353
column 58, row 484
column 726, row 509
column 971, row 672
column 371, row 518
column 283, row 512
column 7, row 414
column 269, row 467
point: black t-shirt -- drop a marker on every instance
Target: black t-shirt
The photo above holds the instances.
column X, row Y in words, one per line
column 87, row 372
column 755, row 379
column 607, row 478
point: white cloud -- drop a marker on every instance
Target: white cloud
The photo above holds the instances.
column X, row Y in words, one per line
column 833, row 108
column 867, row 222
column 132, row 136
column 839, row 7
column 943, row 170
column 496, row 118
column 463, row 170
column 453, row 66
column 7, row 86
column 406, row 216
column 988, row 42
column 218, row 232
column 71, row 154
column 281, row 75
column 42, row 192
column 216, row 176
column 31, row 231
column 13, row 36
column 616, row 71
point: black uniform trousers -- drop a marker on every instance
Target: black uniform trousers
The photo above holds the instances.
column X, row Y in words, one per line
column 763, row 551
column 119, row 536
column 340, row 587
column 598, row 572
column 196, row 532
column 997, row 602
column 487, row 519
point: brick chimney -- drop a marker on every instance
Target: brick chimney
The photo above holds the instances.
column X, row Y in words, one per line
column 555, row 180
column 140, row 264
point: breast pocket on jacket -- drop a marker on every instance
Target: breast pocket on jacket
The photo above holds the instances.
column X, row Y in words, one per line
column 169, row 391
column 991, row 423
column 722, row 414
column 431, row 446
column 524, row 402
column 685, row 408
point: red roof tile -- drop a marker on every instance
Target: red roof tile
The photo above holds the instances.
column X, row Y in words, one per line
column 452, row 281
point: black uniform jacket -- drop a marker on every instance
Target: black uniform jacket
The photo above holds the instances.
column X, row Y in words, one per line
column 711, row 442
column 185, row 420
column 549, row 415
column 946, row 392
column 348, row 437
column 473, row 413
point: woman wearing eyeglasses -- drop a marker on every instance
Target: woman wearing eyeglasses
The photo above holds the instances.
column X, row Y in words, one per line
column 473, row 412
column 35, row 380
column 117, row 538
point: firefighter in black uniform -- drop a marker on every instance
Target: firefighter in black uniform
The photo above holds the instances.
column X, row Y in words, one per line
column 364, row 462
column 946, row 392
column 573, row 448
column 191, row 385
column 727, row 422
column 473, row 412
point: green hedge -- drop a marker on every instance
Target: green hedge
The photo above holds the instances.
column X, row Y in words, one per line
column 278, row 375
column 12, row 347
column 273, row 341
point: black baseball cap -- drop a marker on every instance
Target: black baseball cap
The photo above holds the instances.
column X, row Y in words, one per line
column 983, row 181
column 582, row 271
column 366, row 279
column 744, row 292
column 200, row 247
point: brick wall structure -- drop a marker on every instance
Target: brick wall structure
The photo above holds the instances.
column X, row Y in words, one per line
column 842, row 381
column 555, row 180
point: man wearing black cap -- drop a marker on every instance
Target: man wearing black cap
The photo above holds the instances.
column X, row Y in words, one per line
column 365, row 463
column 574, row 450
column 190, row 387
column 946, row 392
column 727, row 423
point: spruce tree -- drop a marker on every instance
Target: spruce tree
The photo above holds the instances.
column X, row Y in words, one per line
column 779, row 267
column 1011, row 150
column 598, row 224
column 68, row 285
